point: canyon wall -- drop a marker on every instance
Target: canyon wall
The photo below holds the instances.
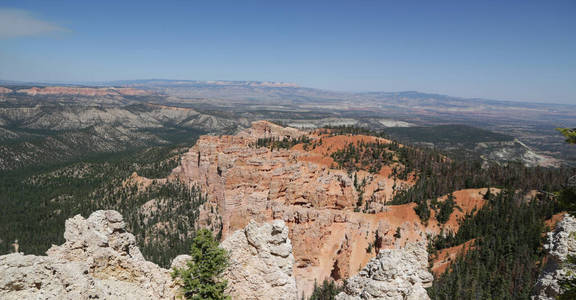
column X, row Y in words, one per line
column 332, row 236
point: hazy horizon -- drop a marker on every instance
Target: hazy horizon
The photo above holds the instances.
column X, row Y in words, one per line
column 98, row 83
column 513, row 51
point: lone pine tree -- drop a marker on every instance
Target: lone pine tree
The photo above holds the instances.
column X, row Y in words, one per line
column 200, row 279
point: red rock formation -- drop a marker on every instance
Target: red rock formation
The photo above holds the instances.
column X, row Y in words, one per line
column 79, row 91
column 466, row 201
column 142, row 183
column 551, row 223
column 4, row 90
column 445, row 257
column 318, row 203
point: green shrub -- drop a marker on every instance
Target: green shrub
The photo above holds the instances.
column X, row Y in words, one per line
column 327, row 291
column 200, row 279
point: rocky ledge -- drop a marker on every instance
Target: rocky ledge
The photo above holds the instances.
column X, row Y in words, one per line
column 394, row 274
column 561, row 244
column 99, row 260
column 261, row 262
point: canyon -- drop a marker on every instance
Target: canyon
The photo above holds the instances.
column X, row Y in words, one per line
column 288, row 210
column 331, row 236
column 227, row 106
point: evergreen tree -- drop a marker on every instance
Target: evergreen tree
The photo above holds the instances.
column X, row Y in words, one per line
column 200, row 278
column 446, row 209
column 488, row 195
column 423, row 211
column 327, row 291
column 503, row 261
column 569, row 133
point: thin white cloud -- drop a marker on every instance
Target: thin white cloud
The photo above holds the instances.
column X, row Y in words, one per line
column 17, row 23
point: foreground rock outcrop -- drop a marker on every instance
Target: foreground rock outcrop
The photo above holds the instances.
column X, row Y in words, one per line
column 261, row 262
column 99, row 260
column 560, row 245
column 399, row 274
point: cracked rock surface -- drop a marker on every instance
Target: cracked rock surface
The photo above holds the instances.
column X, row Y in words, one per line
column 561, row 243
column 261, row 262
column 99, row 260
column 394, row 274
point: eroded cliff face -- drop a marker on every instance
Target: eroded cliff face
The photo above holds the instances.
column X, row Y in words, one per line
column 99, row 260
column 331, row 236
column 561, row 244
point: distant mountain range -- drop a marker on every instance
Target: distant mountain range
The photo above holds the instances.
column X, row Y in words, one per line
column 225, row 105
column 284, row 87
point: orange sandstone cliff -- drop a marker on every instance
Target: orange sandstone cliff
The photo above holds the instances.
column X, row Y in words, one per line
column 331, row 237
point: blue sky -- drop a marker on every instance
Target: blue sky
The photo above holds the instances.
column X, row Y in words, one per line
column 511, row 50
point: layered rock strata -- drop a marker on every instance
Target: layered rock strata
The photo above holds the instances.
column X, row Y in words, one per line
column 333, row 237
